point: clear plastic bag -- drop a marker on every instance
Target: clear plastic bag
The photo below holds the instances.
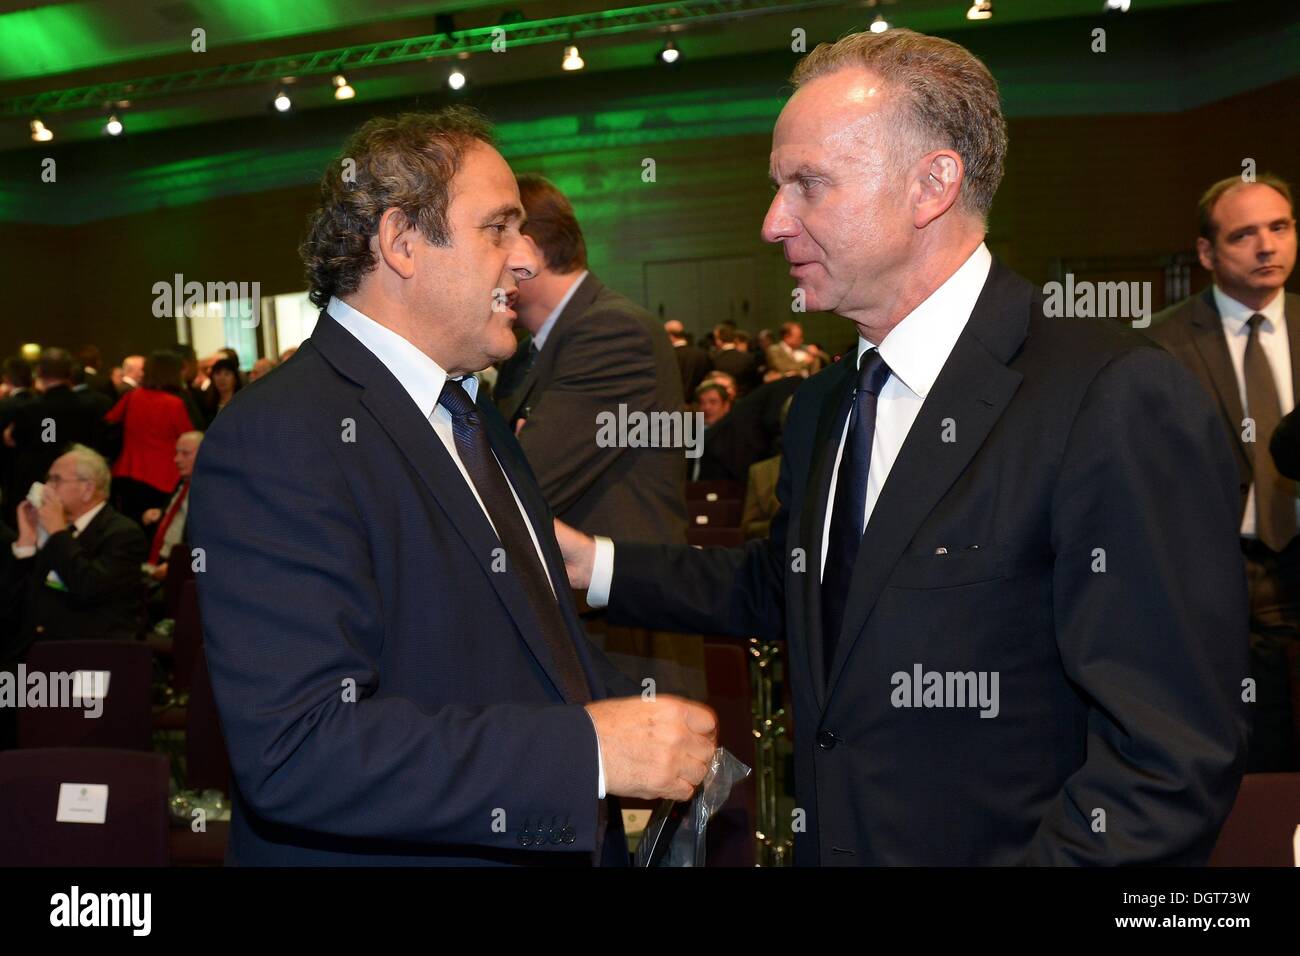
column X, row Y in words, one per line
column 675, row 834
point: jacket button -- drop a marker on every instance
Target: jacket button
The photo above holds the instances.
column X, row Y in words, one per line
column 525, row 837
column 570, row 834
column 826, row 740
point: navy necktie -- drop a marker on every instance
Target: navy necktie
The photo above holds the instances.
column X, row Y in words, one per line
column 521, row 557
column 850, row 501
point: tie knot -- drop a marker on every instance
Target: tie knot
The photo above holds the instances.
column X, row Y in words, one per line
column 456, row 400
column 872, row 372
column 1255, row 321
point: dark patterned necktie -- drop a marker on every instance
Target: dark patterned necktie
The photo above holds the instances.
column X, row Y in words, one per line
column 850, row 501
column 521, row 556
column 1275, row 521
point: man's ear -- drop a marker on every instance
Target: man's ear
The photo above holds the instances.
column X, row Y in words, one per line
column 939, row 178
column 1205, row 252
column 395, row 242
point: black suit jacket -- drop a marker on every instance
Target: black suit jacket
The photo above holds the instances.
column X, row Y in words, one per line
column 742, row 366
column 603, row 351
column 100, row 568
column 385, row 695
column 1119, row 689
column 75, row 419
column 1193, row 332
column 748, row 433
column 693, row 363
column 1285, row 446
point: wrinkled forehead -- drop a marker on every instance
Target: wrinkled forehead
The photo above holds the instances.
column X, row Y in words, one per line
column 1248, row 203
column 484, row 180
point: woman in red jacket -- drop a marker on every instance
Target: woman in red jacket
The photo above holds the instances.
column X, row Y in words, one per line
column 153, row 416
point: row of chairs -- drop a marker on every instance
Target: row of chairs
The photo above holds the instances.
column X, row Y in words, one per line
column 714, row 510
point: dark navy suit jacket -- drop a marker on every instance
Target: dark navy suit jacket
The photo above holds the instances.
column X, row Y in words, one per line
column 384, row 692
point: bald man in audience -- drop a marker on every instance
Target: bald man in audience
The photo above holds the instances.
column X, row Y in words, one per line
column 167, row 525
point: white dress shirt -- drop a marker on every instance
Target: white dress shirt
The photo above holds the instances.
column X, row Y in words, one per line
column 915, row 351
column 423, row 379
column 1274, row 340
column 540, row 336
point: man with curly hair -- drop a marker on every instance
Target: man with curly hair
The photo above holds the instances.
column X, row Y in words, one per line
column 400, row 669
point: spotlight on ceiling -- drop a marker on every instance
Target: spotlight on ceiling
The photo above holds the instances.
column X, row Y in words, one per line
column 114, row 125
column 980, row 10
column 879, row 25
column 456, row 80
column 282, row 103
column 342, row 88
column 1115, row 6
column 670, row 55
column 40, row 132
column 572, row 59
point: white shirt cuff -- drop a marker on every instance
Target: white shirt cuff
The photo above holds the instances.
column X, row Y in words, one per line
column 600, row 764
column 602, row 573
column 26, row 551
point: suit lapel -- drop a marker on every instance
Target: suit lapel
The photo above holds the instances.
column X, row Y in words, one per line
column 830, row 423
column 974, row 389
column 415, row 438
column 1213, row 350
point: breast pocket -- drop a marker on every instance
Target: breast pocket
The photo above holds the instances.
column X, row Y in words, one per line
column 950, row 569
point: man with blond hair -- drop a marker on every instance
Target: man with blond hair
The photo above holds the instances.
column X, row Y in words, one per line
column 1016, row 632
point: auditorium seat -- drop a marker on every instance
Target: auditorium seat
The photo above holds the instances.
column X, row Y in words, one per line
column 1260, row 829
column 125, row 719
column 724, row 513
column 717, row 490
column 134, row 831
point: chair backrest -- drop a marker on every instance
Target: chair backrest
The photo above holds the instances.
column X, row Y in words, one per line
column 35, row 783
column 715, row 490
column 207, row 764
column 122, row 671
column 730, row 839
column 187, row 637
column 724, row 513
column 179, row 571
column 1260, row 829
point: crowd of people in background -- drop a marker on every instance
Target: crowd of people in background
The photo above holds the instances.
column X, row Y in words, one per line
column 107, row 454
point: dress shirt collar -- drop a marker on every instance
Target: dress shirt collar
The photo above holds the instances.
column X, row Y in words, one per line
column 81, row 523
column 917, row 348
column 421, row 376
column 1235, row 315
column 540, row 338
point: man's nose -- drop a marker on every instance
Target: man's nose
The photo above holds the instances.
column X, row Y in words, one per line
column 523, row 261
column 778, row 224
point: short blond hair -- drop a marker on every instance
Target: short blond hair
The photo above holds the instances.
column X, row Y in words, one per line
column 950, row 99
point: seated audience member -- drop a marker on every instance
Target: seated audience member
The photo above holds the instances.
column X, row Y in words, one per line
column 692, row 361
column 76, row 559
column 761, row 503
column 57, row 418
column 723, row 379
column 750, row 433
column 742, row 366
column 152, row 417
column 167, row 524
column 714, row 403
column 789, row 357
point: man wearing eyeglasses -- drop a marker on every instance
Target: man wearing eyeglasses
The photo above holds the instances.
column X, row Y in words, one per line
column 76, row 562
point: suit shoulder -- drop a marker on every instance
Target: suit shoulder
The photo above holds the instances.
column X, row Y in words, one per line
column 1172, row 324
column 297, row 393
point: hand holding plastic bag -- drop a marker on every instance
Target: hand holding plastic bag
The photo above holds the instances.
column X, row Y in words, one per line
column 675, row 834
